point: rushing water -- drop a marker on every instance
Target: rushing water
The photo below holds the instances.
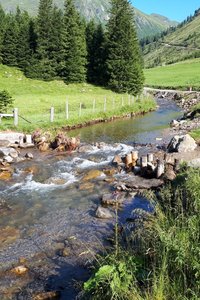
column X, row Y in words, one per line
column 52, row 206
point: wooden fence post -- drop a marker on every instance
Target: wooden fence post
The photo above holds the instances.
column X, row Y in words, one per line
column 52, row 114
column 104, row 108
column 15, row 115
column 67, row 110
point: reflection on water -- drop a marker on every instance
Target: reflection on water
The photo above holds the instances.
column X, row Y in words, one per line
column 143, row 129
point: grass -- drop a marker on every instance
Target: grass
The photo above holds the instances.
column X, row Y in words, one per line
column 162, row 259
column 177, row 76
column 34, row 99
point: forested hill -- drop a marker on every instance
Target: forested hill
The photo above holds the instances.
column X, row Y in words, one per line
column 176, row 45
column 147, row 25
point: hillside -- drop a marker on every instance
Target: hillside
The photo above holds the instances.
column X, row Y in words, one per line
column 178, row 45
column 182, row 75
column 147, row 25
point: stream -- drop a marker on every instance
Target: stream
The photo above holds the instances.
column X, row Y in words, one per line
column 50, row 225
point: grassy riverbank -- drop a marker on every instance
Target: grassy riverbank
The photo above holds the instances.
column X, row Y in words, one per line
column 161, row 260
column 34, row 99
column 181, row 76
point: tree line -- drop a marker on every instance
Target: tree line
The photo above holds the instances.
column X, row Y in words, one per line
column 59, row 44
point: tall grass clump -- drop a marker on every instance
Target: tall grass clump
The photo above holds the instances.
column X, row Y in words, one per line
column 161, row 260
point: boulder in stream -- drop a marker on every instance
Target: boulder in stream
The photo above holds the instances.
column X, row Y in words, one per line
column 182, row 143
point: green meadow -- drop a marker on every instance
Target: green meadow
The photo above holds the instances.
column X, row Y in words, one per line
column 181, row 76
column 34, row 98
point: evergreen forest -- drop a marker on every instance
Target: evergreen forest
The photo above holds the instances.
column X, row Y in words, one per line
column 60, row 44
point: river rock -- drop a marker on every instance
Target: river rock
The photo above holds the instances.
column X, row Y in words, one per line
column 103, row 213
column 8, row 235
column 174, row 123
column 86, row 186
column 110, row 172
column 19, row 270
column 43, row 147
column 5, row 175
column 113, row 198
column 53, row 295
column 29, row 155
column 4, row 152
column 195, row 163
column 32, row 169
column 85, row 148
column 4, row 143
column 169, row 173
column 8, row 159
column 117, row 160
column 4, row 207
column 12, row 137
column 182, row 143
column 92, row 174
column 137, row 182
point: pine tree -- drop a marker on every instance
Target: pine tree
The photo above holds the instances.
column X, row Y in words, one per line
column 72, row 67
column 56, row 39
column 9, row 45
column 42, row 66
column 124, row 63
column 3, row 21
column 96, row 48
column 23, row 39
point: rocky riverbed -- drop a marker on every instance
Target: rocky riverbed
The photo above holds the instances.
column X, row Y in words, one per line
column 58, row 206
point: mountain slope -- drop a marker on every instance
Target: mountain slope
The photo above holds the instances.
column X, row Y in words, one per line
column 178, row 45
column 147, row 25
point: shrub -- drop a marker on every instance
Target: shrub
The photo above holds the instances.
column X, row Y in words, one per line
column 6, row 101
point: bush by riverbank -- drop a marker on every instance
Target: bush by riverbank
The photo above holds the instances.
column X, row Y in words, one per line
column 162, row 258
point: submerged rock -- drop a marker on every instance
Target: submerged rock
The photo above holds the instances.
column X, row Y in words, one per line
column 103, row 213
column 8, row 235
column 92, row 174
column 20, row 270
column 47, row 296
column 113, row 198
column 5, row 175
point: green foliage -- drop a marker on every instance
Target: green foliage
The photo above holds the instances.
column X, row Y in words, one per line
column 9, row 44
column 35, row 97
column 114, row 280
column 124, row 62
column 165, row 248
column 176, row 44
column 96, row 49
column 6, row 101
column 73, row 55
column 181, row 76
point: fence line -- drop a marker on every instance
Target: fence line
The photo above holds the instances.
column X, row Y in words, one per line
column 69, row 110
column 14, row 115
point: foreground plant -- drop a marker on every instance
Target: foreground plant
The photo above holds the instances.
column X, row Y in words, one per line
column 162, row 258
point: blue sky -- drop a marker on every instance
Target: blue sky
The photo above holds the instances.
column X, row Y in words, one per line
column 174, row 9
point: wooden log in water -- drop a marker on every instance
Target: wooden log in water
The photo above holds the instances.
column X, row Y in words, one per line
column 143, row 161
column 128, row 160
column 160, row 168
column 150, row 157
